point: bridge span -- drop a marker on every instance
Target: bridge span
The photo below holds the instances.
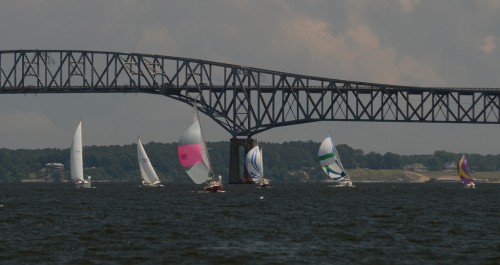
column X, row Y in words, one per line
column 243, row 100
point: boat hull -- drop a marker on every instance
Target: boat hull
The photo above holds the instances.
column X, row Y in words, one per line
column 470, row 185
column 152, row 185
column 214, row 188
column 345, row 184
column 83, row 184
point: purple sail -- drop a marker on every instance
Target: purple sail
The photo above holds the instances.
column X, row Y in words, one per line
column 463, row 171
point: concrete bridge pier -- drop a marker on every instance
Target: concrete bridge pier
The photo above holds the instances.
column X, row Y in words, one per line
column 237, row 160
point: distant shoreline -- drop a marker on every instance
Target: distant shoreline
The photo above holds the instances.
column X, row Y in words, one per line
column 364, row 175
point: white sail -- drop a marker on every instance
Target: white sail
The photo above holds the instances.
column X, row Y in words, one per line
column 330, row 160
column 254, row 164
column 148, row 173
column 193, row 153
column 77, row 156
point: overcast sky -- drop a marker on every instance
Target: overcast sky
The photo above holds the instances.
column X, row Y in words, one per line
column 405, row 42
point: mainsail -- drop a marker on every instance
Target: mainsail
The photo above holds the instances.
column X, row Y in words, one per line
column 76, row 155
column 193, row 153
column 463, row 171
column 330, row 160
column 148, row 173
column 254, row 164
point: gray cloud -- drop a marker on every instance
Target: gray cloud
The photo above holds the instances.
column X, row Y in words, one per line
column 408, row 42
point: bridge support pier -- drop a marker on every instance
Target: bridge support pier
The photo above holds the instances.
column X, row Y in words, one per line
column 235, row 162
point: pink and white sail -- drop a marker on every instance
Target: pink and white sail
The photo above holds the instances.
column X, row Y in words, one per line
column 193, row 154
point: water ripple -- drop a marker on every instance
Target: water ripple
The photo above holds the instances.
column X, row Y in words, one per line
column 295, row 224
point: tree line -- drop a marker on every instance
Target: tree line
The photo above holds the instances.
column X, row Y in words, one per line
column 283, row 162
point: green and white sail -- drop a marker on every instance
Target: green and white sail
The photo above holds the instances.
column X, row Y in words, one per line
column 330, row 160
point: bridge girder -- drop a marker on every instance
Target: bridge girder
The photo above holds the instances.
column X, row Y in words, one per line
column 243, row 100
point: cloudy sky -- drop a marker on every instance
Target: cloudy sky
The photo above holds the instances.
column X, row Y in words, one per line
column 405, row 42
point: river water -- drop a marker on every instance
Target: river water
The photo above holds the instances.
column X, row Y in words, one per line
column 306, row 223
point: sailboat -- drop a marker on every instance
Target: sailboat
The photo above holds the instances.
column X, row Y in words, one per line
column 193, row 156
column 255, row 167
column 331, row 164
column 77, row 160
column 463, row 172
column 148, row 174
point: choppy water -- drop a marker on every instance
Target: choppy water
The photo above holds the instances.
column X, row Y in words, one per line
column 376, row 223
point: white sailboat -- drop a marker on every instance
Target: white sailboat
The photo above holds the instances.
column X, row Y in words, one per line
column 255, row 167
column 331, row 165
column 193, row 156
column 77, row 160
column 148, row 174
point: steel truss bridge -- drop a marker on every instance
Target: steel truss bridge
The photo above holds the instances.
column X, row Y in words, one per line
column 243, row 100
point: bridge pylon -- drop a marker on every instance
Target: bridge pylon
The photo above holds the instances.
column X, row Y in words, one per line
column 235, row 164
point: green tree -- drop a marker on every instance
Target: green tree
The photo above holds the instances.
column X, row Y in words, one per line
column 391, row 161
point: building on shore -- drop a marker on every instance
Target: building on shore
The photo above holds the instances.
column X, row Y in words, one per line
column 415, row 167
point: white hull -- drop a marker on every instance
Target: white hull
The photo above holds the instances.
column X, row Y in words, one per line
column 84, row 184
column 263, row 183
column 345, row 184
column 470, row 186
column 151, row 185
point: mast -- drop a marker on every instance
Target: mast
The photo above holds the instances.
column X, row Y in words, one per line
column 338, row 155
column 261, row 163
column 196, row 117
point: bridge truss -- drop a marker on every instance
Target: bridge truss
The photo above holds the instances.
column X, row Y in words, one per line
column 243, row 100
